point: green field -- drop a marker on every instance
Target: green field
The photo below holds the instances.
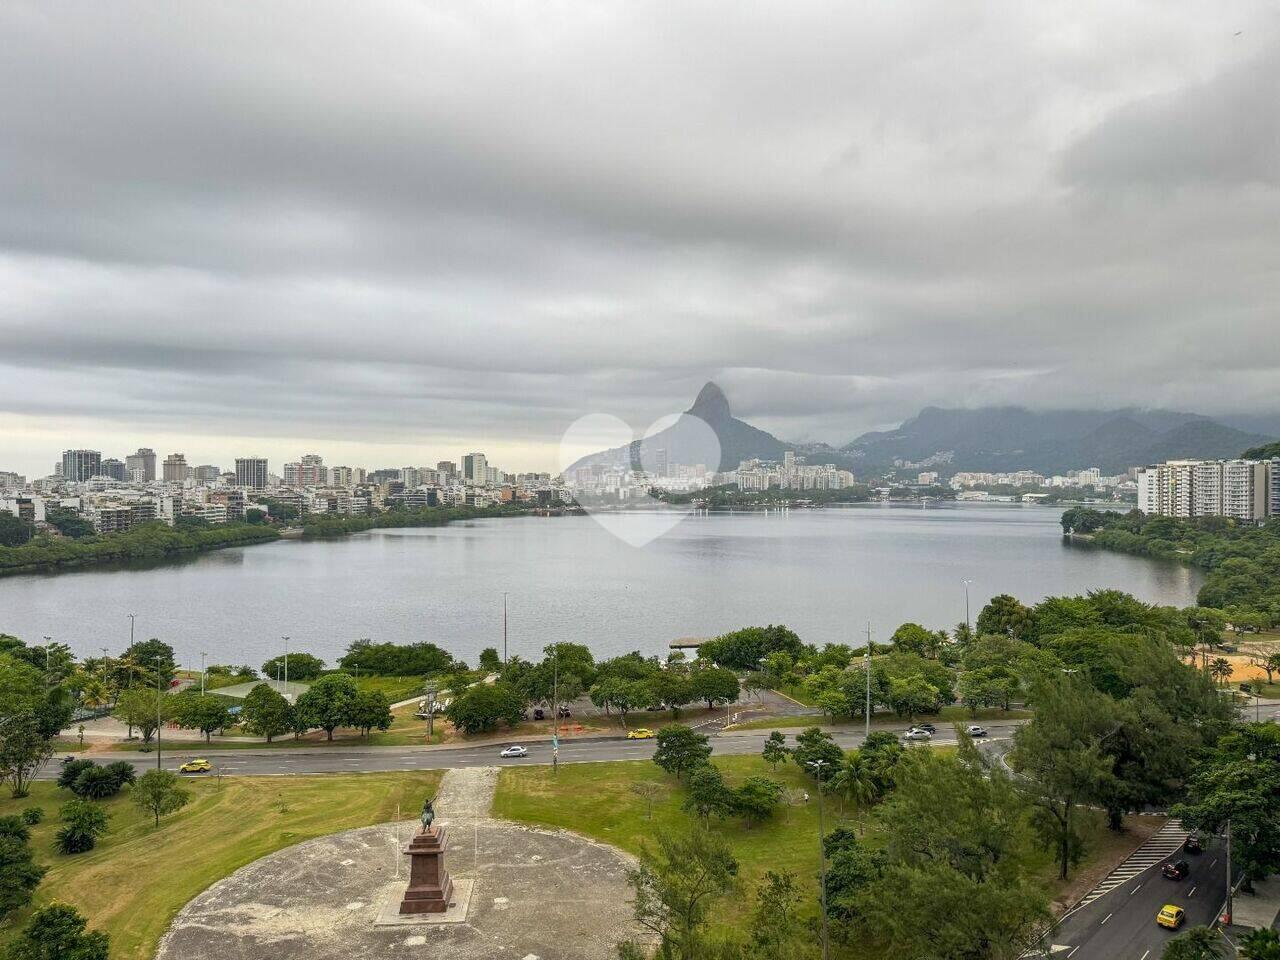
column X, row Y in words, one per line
column 138, row 877
column 596, row 800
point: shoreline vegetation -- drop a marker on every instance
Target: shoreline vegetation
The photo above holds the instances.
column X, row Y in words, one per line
column 157, row 541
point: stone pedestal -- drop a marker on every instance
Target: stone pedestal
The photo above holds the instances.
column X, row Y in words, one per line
column 430, row 886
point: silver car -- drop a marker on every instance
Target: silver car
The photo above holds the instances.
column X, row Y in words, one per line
column 515, row 751
column 915, row 734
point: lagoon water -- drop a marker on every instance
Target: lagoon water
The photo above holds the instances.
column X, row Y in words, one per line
column 825, row 573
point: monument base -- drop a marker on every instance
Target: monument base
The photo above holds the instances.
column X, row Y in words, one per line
column 389, row 914
column 430, row 886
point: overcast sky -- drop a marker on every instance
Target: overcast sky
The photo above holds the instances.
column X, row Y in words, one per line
column 394, row 232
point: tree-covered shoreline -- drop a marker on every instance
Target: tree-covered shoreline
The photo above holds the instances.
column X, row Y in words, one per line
column 1242, row 559
column 158, row 542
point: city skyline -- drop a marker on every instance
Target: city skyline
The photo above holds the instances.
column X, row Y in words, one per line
column 429, row 243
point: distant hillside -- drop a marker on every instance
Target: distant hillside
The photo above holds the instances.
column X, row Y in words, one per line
column 684, row 440
column 1054, row 441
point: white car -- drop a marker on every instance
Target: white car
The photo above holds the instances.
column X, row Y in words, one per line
column 974, row 730
column 915, row 734
column 514, row 752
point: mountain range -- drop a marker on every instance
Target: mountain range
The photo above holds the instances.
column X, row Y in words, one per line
column 984, row 439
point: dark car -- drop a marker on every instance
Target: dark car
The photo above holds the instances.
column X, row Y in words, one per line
column 1192, row 844
column 1176, row 870
column 927, row 726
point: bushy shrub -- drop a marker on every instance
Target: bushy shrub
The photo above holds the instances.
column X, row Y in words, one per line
column 83, row 823
column 32, row 815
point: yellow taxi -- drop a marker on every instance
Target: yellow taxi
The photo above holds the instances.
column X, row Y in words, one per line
column 640, row 733
column 1171, row 916
column 199, row 765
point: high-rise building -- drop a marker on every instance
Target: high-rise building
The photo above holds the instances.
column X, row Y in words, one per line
column 115, row 469
column 175, row 468
column 141, row 466
column 207, row 472
column 475, row 468
column 251, row 472
column 80, row 465
column 447, row 470
column 1239, row 489
column 1273, row 488
column 308, row 472
column 341, row 477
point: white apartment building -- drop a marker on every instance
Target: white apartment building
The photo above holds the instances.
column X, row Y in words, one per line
column 1239, row 489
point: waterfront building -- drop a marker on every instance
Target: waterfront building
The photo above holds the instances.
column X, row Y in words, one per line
column 175, row 469
column 1239, row 489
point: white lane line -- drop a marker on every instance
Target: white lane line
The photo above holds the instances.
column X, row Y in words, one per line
column 1145, row 955
column 1192, row 893
column 1106, row 918
column 1214, row 864
column 1072, row 953
column 1135, row 890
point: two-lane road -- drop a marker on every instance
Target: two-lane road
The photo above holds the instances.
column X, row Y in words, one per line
column 355, row 759
column 1121, row 924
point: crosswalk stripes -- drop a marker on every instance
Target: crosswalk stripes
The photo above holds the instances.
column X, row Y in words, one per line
column 1158, row 847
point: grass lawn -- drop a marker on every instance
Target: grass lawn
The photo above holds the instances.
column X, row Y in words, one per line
column 596, row 800
column 138, row 877
column 394, row 689
column 951, row 714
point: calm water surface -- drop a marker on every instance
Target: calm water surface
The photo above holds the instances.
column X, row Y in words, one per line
column 823, row 572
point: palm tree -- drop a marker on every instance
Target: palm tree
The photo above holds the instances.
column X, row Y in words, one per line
column 1198, row 943
column 94, row 693
column 1220, row 669
column 854, row 782
column 1260, row 944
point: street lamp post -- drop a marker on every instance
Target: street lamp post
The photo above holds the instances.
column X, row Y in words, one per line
column 47, row 642
column 132, row 617
column 431, row 711
column 104, row 663
column 967, row 625
column 202, row 671
column 822, row 855
column 286, row 660
column 159, row 695
column 504, row 628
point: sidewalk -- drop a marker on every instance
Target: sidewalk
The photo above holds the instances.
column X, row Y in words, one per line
column 1258, row 909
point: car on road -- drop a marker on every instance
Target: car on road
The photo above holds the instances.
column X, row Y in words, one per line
column 1192, row 844
column 927, row 727
column 199, row 765
column 917, row 734
column 1176, row 870
column 1171, row 916
column 640, row 733
column 514, row 751
column 974, row 730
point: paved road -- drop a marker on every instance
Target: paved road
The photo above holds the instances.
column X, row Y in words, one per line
column 301, row 760
column 1121, row 924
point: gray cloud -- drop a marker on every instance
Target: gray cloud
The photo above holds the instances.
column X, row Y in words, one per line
column 426, row 224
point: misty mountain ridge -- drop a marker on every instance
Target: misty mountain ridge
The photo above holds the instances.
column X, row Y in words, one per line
column 980, row 439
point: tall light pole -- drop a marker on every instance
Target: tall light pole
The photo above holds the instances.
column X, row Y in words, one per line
column 202, row 672
column 47, row 642
column 104, row 663
column 159, row 696
column 132, row 617
column 286, row 661
column 431, row 711
column 504, row 628
column 967, row 625
column 822, row 855
column 555, row 714
column 866, row 663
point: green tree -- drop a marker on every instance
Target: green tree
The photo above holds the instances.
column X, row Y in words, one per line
column 715, row 685
column 1197, row 943
column 1260, row 944
column 82, row 824
column 776, row 930
column 854, row 782
column 648, row 791
column 160, row 792
column 675, row 887
column 329, row 703
column 302, row 667
column 706, row 793
column 775, row 749
column 1063, row 753
column 145, row 708
column 817, row 754
column 371, row 710
column 681, row 749
column 151, row 655
column 19, row 873
column 96, row 783
column 912, row 695
column 204, row 712
column 266, row 713
column 744, row 649
column 479, row 709
column 1005, row 616
column 69, row 522
column 757, row 799
column 57, row 932
column 490, row 662
column 14, row 532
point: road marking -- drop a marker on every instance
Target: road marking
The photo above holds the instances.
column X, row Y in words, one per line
column 1157, row 848
column 1145, row 955
column 1106, row 918
column 1192, row 893
column 1214, row 864
column 1072, row 953
column 1135, row 890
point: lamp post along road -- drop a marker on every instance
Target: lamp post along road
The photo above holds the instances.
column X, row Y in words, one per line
column 822, row 855
column 286, row 661
column 159, row 697
column 968, row 626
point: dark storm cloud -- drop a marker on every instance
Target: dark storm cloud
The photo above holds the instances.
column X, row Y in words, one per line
column 414, row 221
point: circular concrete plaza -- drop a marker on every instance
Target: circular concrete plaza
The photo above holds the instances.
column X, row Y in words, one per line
column 535, row 894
